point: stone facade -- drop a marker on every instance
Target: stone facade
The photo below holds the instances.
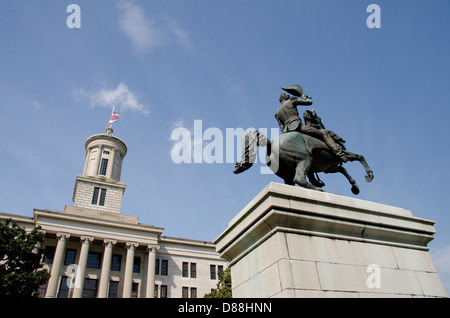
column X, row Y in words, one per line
column 84, row 189
column 293, row 242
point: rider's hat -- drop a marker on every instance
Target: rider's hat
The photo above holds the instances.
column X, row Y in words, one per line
column 295, row 90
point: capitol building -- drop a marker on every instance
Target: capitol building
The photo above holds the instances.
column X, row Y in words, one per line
column 94, row 251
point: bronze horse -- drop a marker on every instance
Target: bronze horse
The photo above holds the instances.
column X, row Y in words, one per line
column 293, row 156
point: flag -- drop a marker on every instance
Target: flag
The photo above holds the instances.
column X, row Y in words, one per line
column 114, row 117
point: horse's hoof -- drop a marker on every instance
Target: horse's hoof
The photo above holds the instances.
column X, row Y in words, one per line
column 369, row 176
column 355, row 189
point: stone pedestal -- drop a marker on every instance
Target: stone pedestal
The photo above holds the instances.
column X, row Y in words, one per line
column 293, row 242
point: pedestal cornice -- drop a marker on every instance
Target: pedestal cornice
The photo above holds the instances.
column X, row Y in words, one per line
column 286, row 208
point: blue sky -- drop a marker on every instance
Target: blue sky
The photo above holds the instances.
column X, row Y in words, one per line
column 168, row 63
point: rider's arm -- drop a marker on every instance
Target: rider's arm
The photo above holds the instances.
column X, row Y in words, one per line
column 302, row 102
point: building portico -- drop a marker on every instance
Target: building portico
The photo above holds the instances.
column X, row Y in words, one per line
column 98, row 235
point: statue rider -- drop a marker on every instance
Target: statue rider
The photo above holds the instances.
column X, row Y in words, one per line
column 289, row 120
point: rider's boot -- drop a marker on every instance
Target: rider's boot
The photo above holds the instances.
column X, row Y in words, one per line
column 331, row 143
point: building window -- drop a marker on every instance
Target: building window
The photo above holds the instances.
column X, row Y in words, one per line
column 95, row 196
column 63, row 288
column 90, row 288
column 163, row 291
column 103, row 166
column 113, row 289
column 94, row 260
column 137, row 265
column 185, row 292
column 48, row 254
column 220, row 271
column 212, row 271
column 185, row 270
column 156, row 291
column 102, row 197
column 115, row 264
column 106, row 152
column 193, row 267
column 164, row 267
column 134, row 290
column 70, row 257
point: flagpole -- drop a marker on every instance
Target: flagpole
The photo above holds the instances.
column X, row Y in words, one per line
column 109, row 130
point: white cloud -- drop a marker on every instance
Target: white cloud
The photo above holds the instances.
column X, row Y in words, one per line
column 145, row 33
column 177, row 124
column 121, row 97
column 142, row 32
column 180, row 34
column 36, row 104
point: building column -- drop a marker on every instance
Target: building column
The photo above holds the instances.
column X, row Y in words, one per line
column 57, row 263
column 79, row 280
column 86, row 163
column 128, row 279
column 110, row 167
column 150, row 291
column 106, row 268
column 119, row 172
column 97, row 160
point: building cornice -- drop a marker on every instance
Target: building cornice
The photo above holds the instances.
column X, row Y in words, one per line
column 102, row 180
column 99, row 228
column 105, row 137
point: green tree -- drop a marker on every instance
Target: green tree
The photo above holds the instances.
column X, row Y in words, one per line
column 21, row 271
column 223, row 289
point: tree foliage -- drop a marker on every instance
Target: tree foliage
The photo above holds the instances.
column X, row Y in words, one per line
column 21, row 271
column 223, row 289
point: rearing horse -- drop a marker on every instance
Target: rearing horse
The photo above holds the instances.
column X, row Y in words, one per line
column 294, row 156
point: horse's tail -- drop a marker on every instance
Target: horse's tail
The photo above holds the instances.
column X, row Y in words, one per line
column 250, row 140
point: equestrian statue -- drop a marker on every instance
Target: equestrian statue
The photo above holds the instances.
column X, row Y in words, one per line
column 303, row 149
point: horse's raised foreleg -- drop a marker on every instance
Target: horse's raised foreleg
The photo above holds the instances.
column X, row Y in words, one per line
column 355, row 157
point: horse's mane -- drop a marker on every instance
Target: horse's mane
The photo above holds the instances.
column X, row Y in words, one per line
column 311, row 118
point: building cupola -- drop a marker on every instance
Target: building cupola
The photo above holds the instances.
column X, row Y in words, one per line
column 104, row 156
column 99, row 186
